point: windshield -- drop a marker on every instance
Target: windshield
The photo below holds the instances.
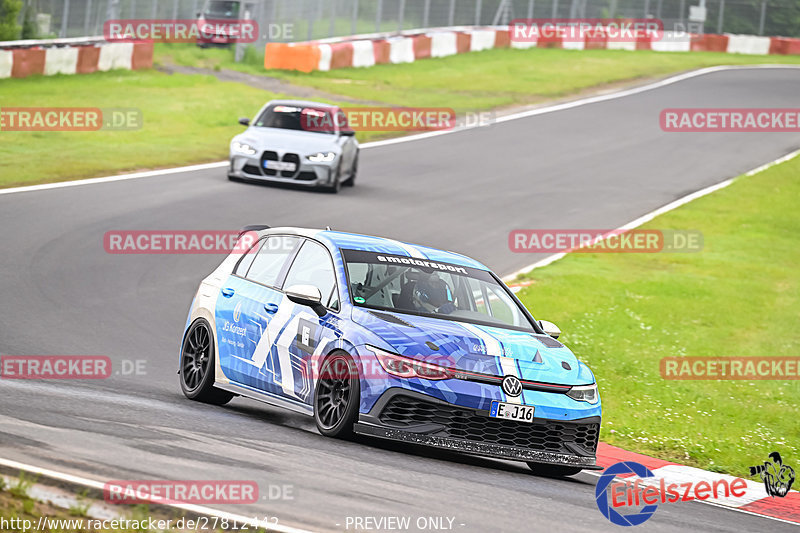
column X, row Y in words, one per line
column 439, row 290
column 289, row 117
column 221, row 9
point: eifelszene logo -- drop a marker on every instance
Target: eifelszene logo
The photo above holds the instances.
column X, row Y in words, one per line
column 777, row 477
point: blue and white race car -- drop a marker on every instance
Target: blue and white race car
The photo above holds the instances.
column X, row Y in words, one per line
column 373, row 336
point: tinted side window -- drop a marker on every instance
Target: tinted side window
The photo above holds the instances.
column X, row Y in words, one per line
column 270, row 259
column 247, row 260
column 313, row 266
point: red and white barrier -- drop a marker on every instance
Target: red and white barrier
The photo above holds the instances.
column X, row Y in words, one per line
column 748, row 44
column 413, row 45
column 755, row 499
column 20, row 59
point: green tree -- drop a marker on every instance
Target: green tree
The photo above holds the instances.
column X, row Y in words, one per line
column 29, row 26
column 9, row 10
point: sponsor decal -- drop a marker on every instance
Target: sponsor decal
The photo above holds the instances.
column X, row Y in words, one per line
column 306, row 335
column 730, row 120
column 421, row 263
column 734, row 368
column 777, row 477
column 586, row 29
column 69, row 119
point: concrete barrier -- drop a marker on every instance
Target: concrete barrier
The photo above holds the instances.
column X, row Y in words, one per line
column 413, row 45
column 748, row 44
column 443, row 44
column 61, row 60
column 402, row 50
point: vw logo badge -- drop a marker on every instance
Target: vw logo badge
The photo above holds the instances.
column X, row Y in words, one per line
column 512, row 386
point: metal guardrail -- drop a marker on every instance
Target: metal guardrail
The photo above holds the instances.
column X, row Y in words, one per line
column 51, row 43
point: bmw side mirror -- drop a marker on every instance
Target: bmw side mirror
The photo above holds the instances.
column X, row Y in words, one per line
column 307, row 295
column 550, row 328
column 244, row 121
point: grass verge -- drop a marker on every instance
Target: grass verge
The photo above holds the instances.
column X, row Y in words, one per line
column 191, row 118
column 479, row 80
column 740, row 296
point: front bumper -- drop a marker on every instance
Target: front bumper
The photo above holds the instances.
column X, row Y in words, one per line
column 308, row 174
column 417, row 418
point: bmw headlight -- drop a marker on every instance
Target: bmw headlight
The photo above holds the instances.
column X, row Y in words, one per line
column 585, row 393
column 243, row 148
column 322, row 157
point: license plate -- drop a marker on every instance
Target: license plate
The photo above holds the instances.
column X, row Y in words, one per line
column 512, row 411
column 280, row 165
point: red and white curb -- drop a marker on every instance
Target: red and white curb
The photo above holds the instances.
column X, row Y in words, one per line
column 754, row 501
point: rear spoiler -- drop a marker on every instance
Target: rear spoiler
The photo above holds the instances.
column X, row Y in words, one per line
column 252, row 227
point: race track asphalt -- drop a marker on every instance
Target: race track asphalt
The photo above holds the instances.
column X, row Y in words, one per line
column 594, row 166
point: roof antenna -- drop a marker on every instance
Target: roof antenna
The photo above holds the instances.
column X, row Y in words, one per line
column 327, row 228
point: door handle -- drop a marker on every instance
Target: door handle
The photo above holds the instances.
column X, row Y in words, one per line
column 227, row 293
column 271, row 308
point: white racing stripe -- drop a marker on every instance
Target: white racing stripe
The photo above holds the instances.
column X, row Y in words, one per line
column 495, row 348
column 198, row 509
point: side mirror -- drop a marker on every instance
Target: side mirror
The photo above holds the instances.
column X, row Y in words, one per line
column 347, row 133
column 307, row 295
column 550, row 328
column 244, row 121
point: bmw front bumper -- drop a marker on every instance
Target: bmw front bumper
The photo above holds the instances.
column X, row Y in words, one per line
column 251, row 167
column 408, row 416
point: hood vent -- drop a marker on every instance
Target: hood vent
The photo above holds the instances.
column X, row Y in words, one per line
column 549, row 341
column 391, row 318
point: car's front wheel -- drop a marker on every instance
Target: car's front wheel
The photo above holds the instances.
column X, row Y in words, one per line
column 546, row 470
column 349, row 182
column 336, row 396
column 197, row 366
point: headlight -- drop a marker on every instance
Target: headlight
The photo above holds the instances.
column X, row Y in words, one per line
column 584, row 393
column 243, row 148
column 321, row 157
column 405, row 367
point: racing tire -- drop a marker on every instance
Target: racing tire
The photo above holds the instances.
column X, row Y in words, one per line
column 337, row 395
column 349, row 182
column 196, row 372
column 547, row 470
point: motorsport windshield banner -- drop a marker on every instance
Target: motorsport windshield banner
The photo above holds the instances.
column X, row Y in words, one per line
column 380, row 258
